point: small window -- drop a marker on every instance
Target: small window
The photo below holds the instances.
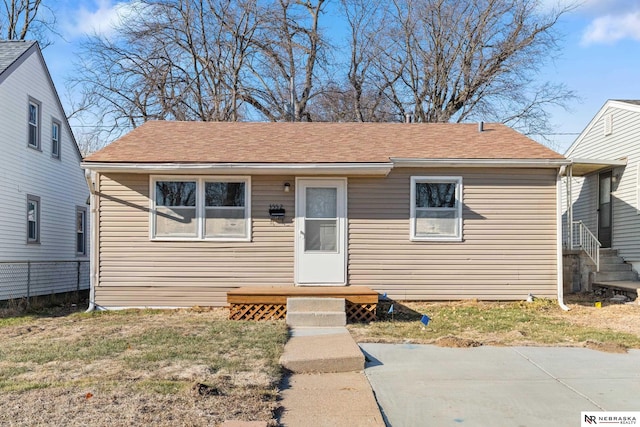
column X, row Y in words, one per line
column 436, row 208
column 55, row 139
column 33, row 219
column 34, row 124
column 81, row 231
column 202, row 208
column 608, row 124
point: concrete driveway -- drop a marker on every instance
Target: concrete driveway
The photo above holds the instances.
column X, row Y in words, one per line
column 425, row 385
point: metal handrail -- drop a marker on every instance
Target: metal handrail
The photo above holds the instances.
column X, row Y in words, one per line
column 588, row 242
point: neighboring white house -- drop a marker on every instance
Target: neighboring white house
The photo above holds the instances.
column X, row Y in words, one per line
column 605, row 184
column 44, row 227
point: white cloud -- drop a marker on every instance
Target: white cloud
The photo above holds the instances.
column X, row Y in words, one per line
column 612, row 28
column 101, row 19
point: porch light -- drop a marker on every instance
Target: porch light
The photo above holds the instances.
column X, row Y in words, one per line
column 287, row 187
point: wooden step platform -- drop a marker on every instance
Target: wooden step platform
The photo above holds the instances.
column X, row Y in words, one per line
column 267, row 303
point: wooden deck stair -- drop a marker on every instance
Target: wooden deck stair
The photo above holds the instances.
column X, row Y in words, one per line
column 268, row 303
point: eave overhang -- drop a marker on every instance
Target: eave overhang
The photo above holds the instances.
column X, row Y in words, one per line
column 582, row 167
column 300, row 169
column 480, row 163
column 368, row 169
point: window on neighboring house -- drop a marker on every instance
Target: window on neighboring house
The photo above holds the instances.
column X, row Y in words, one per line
column 33, row 219
column 34, row 124
column 81, row 230
column 55, row 139
column 212, row 208
column 436, row 208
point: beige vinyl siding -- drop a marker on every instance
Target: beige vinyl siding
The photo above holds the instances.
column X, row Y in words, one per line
column 623, row 142
column 508, row 247
column 135, row 271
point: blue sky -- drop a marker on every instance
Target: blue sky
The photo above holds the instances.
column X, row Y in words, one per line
column 599, row 54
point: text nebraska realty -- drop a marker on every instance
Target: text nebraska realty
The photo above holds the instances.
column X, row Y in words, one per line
column 610, row 419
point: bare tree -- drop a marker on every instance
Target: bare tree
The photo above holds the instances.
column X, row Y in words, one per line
column 367, row 20
column 442, row 60
column 456, row 60
column 202, row 60
column 284, row 70
column 22, row 19
column 344, row 103
column 169, row 60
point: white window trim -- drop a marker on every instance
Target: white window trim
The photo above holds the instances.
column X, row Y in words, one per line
column 36, row 200
column 57, row 155
column 38, row 124
column 83, row 211
column 200, row 206
column 412, row 202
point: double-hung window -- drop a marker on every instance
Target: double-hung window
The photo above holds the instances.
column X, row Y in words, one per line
column 81, row 230
column 33, row 219
column 55, row 139
column 34, row 124
column 436, row 208
column 211, row 208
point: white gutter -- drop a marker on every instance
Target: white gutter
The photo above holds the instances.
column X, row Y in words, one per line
column 298, row 169
column 479, row 163
column 93, row 248
column 559, row 260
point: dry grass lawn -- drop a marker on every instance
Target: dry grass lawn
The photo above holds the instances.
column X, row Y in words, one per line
column 614, row 327
column 160, row 368
column 194, row 367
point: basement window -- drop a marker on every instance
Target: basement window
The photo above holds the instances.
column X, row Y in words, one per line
column 436, row 208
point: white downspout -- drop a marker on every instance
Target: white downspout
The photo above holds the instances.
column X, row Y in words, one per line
column 559, row 260
column 93, row 245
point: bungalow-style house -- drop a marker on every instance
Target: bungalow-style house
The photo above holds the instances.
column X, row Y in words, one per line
column 44, row 215
column 604, row 188
column 188, row 211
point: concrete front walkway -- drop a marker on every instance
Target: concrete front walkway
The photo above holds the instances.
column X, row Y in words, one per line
column 327, row 386
column 329, row 400
column 499, row 386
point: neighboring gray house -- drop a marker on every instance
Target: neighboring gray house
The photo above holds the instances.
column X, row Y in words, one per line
column 44, row 221
column 605, row 189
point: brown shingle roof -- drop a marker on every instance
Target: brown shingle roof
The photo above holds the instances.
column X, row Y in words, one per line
column 221, row 142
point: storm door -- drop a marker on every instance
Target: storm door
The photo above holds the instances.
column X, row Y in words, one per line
column 604, row 209
column 321, row 208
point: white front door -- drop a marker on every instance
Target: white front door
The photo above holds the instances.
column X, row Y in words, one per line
column 321, row 228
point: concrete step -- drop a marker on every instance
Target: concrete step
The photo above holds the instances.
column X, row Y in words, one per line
column 611, row 261
column 321, row 350
column 317, row 319
column 309, row 304
column 604, row 276
column 318, row 312
column 615, row 267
